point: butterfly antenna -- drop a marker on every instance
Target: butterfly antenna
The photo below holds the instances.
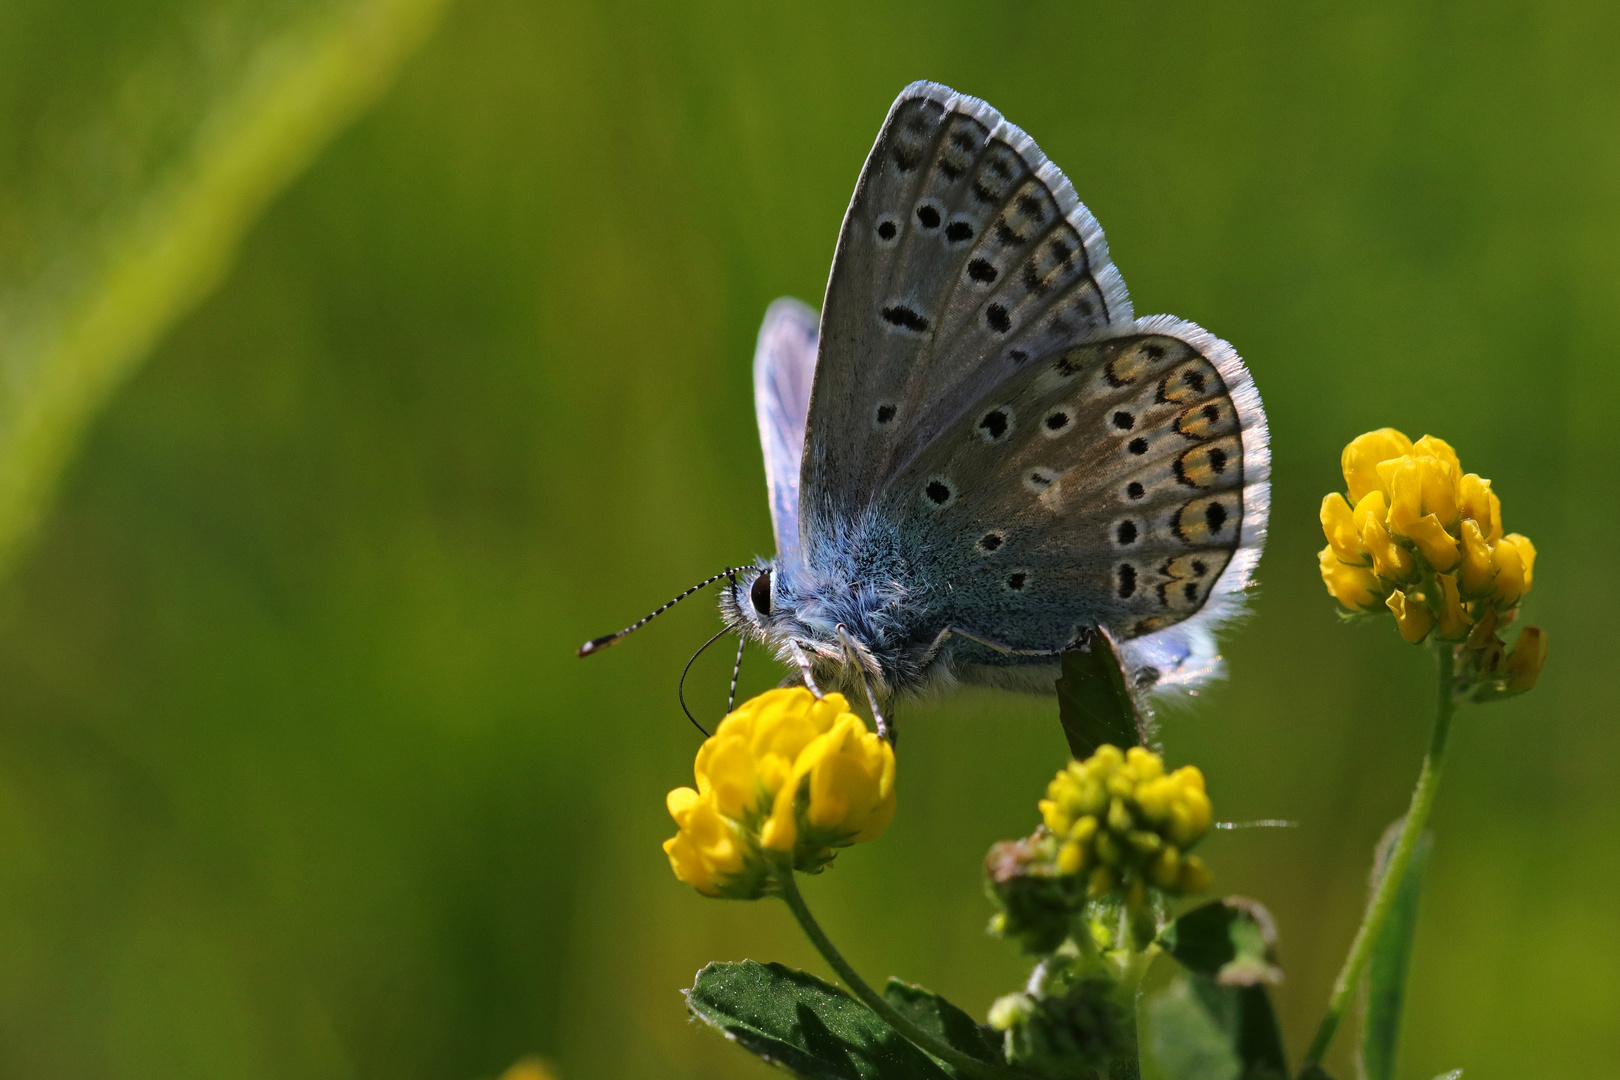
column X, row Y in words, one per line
column 736, row 673
column 596, row 644
column 680, row 687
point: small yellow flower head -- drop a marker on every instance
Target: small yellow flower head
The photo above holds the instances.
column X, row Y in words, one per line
column 786, row 773
column 1124, row 823
column 1422, row 539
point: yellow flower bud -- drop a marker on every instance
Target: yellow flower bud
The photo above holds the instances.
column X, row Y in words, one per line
column 1523, row 665
column 1453, row 623
column 1515, row 559
column 1477, row 568
column 1412, row 615
column 1353, row 586
column 1071, row 858
column 1361, row 458
column 1338, row 525
column 1195, row 876
column 1123, row 844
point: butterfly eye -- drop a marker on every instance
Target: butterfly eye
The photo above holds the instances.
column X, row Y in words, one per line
column 760, row 593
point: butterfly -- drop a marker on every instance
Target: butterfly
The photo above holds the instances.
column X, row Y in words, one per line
column 977, row 455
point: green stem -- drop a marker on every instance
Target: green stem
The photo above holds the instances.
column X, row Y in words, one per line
column 1384, row 897
column 963, row 1063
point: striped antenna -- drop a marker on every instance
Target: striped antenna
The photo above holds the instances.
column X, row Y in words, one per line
column 596, row 644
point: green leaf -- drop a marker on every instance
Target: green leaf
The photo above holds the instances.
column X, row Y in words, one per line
column 1198, row 1029
column 128, row 214
column 1232, row 941
column 1095, row 701
column 945, row 1021
column 1386, row 969
column 795, row 1020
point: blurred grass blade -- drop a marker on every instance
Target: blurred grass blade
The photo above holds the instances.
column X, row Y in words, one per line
column 1386, row 970
column 1095, row 702
column 189, row 146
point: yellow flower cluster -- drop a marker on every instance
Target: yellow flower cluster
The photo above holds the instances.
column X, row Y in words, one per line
column 1125, row 823
column 787, row 776
column 1424, row 539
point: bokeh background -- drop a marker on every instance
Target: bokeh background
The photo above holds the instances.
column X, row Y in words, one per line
column 299, row 776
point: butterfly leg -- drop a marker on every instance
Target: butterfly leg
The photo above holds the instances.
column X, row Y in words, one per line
column 853, row 657
column 1006, row 650
column 803, row 661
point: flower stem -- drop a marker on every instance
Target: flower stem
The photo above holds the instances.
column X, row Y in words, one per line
column 1384, row 896
column 963, row 1063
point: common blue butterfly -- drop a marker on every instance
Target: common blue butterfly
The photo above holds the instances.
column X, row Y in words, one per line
column 977, row 454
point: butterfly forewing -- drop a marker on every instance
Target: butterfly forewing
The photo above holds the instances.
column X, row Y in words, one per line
column 1111, row 482
column 784, row 367
column 964, row 254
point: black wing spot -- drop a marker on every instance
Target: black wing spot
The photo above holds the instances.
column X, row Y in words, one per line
column 1126, row 532
column 1018, row 356
column 1190, row 591
column 939, row 492
column 1061, row 251
column 1212, row 412
column 990, row 541
column 906, row 157
column 1016, row 582
column 1195, row 379
column 981, row 270
column 1137, row 445
column 982, row 193
column 1057, row 421
column 1217, row 459
column 958, row 231
column 1154, row 352
column 886, row 230
column 1215, row 516
column 1030, row 205
column 997, row 317
column 995, row 424
column 1124, row 420
column 1198, row 568
column 929, row 216
column 885, row 413
column 1135, row 490
column 1127, row 581
column 900, row 315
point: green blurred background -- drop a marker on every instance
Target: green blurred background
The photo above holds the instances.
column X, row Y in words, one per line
column 299, row 776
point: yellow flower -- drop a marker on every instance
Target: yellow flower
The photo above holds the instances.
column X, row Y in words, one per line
column 1124, row 822
column 1422, row 538
column 1523, row 664
column 786, row 773
column 1514, row 558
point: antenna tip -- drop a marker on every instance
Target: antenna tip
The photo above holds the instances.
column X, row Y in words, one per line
column 597, row 643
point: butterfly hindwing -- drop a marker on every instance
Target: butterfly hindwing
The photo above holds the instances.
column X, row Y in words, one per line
column 784, row 367
column 964, row 253
column 1120, row 482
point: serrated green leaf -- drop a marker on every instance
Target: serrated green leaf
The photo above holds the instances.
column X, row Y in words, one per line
column 945, row 1021
column 1232, row 941
column 1095, row 701
column 1199, row 1029
column 801, row 1023
column 129, row 212
column 1387, row 967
